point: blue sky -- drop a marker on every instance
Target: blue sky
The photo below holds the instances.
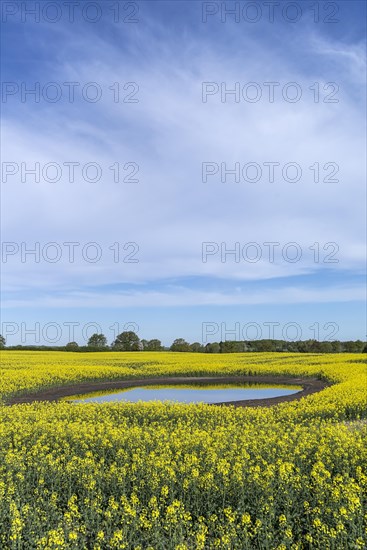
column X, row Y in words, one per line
column 160, row 136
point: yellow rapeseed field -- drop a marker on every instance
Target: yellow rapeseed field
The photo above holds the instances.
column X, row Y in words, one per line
column 159, row 476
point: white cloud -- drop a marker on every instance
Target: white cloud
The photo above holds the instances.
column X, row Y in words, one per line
column 169, row 133
column 180, row 296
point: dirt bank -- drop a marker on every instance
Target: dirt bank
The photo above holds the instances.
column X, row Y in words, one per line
column 309, row 385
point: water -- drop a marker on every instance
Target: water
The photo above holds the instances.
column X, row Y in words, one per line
column 195, row 393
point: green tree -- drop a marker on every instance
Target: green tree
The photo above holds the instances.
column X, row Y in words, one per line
column 144, row 344
column 97, row 341
column 180, row 345
column 214, row 347
column 72, row 346
column 196, row 347
column 127, row 341
column 336, row 346
column 353, row 346
column 154, row 345
column 2, row 341
column 232, row 346
column 326, row 347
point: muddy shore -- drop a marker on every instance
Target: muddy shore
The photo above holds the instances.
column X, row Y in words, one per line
column 309, row 386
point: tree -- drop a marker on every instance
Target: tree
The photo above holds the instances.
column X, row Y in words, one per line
column 353, row 346
column 180, row 345
column 326, row 347
column 127, row 341
column 144, row 343
column 306, row 346
column 97, row 341
column 232, row 346
column 2, row 341
column 71, row 346
column 214, row 347
column 196, row 347
column 266, row 345
column 154, row 345
column 336, row 345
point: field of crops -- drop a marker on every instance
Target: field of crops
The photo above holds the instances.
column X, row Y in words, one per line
column 164, row 477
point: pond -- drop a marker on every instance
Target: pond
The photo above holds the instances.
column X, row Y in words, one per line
column 190, row 393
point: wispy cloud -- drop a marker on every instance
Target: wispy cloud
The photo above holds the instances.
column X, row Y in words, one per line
column 169, row 133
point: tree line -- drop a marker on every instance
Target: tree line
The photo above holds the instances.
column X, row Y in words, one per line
column 130, row 341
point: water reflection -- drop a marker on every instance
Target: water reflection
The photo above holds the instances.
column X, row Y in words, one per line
column 194, row 393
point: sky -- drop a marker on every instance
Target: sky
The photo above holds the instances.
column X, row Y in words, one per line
column 183, row 169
